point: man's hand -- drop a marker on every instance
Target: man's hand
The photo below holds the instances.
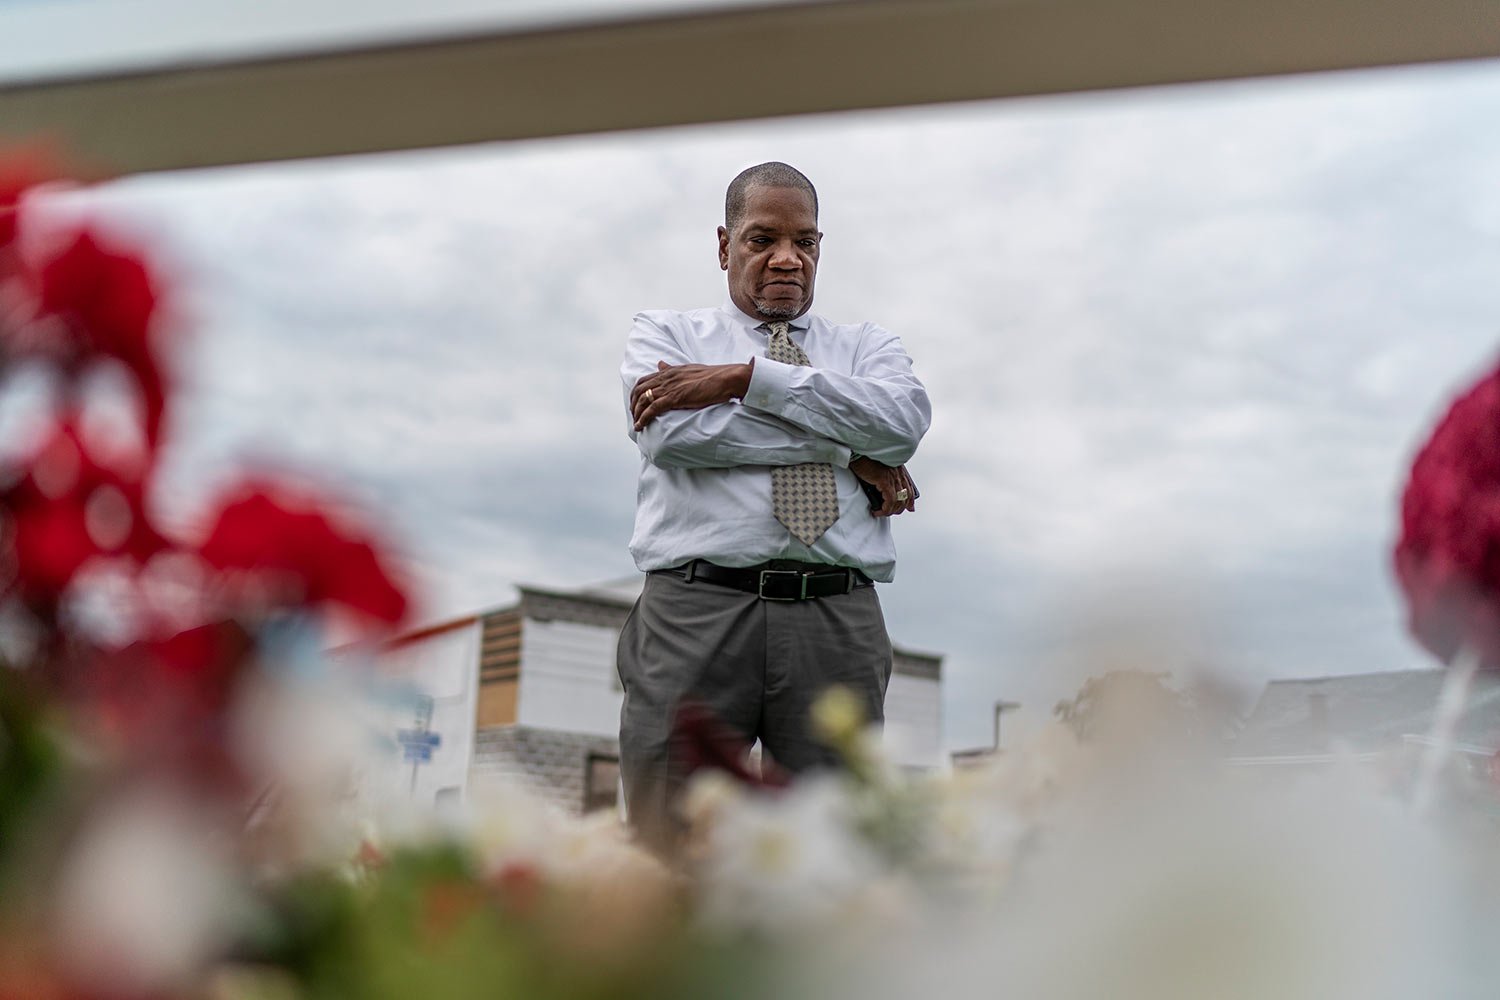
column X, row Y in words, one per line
column 890, row 482
column 686, row 387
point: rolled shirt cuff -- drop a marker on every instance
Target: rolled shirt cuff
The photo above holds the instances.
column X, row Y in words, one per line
column 770, row 383
column 770, row 392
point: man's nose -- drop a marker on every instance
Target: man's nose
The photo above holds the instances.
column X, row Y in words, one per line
column 786, row 258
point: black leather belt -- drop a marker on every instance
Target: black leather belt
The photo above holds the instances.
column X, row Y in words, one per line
column 779, row 579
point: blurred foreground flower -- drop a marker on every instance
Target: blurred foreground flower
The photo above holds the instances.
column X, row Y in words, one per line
column 130, row 797
column 781, row 863
column 867, row 847
column 1448, row 556
column 71, row 501
column 20, row 171
column 147, row 896
column 283, row 547
column 97, row 302
column 1231, row 891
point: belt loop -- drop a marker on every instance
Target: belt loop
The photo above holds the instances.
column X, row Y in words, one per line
column 692, row 570
column 848, row 581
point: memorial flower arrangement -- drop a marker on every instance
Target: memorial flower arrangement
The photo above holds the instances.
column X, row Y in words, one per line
column 157, row 842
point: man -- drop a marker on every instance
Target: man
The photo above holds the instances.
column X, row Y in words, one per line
column 773, row 449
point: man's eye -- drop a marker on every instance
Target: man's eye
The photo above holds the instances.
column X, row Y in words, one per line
column 808, row 243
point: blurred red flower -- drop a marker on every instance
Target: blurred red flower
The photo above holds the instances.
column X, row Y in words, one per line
column 107, row 301
column 200, row 664
column 19, row 170
column 296, row 553
column 1448, row 556
column 64, row 506
column 700, row 740
column 519, row 885
column 166, row 701
column 444, row 907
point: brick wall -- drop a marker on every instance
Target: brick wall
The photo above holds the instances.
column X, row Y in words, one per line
column 551, row 762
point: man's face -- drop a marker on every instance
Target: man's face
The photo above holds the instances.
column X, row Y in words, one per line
column 772, row 256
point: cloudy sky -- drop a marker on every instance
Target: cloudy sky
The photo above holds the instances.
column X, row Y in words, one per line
column 1180, row 343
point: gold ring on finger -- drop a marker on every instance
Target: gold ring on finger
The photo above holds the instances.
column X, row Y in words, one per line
column 902, row 496
column 648, row 396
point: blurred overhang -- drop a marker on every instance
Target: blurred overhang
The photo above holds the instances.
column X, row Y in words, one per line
column 721, row 65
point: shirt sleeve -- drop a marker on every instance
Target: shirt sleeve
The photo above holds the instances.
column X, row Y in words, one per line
column 880, row 410
column 719, row 436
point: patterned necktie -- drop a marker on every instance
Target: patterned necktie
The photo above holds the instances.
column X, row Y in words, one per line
column 804, row 497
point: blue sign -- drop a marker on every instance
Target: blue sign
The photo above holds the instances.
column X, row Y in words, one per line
column 417, row 744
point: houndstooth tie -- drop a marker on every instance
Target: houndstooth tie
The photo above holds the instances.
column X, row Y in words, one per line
column 804, row 497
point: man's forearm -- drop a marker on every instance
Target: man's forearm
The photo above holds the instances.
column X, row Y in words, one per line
column 729, row 434
column 880, row 410
column 686, row 387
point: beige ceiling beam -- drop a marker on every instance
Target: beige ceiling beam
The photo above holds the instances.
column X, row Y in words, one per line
column 723, row 66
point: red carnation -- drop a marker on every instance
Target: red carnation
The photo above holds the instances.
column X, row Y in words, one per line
column 63, row 507
column 108, row 301
column 1448, row 556
column 297, row 554
column 167, row 700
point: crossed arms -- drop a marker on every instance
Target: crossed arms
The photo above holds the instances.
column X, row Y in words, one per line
column 683, row 412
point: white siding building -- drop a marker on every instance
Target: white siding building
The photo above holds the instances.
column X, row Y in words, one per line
column 421, row 710
column 529, row 692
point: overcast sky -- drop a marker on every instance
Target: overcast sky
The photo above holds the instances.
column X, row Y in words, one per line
column 1180, row 344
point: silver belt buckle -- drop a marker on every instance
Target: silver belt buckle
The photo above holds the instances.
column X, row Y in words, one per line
column 801, row 593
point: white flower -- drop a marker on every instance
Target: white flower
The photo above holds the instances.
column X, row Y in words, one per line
column 781, row 862
column 146, row 896
column 597, row 849
column 508, row 824
column 983, row 816
column 974, row 831
column 303, row 740
column 709, row 794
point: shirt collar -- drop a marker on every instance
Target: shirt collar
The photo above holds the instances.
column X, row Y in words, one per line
column 755, row 322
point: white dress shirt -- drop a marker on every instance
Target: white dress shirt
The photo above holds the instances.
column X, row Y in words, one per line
column 705, row 484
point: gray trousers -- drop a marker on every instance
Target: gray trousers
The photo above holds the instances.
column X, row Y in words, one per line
column 757, row 665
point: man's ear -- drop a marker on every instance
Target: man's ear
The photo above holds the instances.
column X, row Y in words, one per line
column 723, row 249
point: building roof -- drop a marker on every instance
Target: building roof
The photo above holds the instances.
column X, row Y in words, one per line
column 586, row 607
column 1362, row 713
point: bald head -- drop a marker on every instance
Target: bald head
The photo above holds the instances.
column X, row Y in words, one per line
column 773, row 174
